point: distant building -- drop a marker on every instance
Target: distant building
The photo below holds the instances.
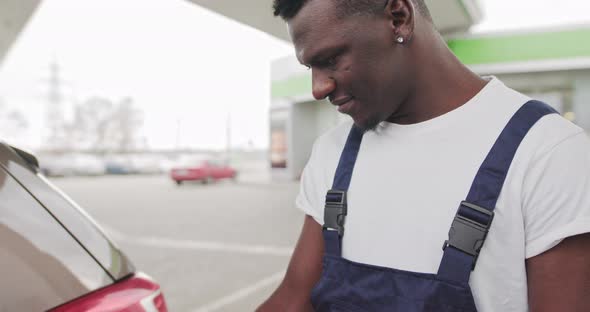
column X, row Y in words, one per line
column 549, row 65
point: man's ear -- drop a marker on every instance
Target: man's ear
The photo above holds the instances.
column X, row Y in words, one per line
column 402, row 16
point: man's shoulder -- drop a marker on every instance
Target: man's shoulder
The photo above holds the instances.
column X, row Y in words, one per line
column 551, row 131
column 548, row 131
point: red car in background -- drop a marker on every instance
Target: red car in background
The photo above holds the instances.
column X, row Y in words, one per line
column 205, row 171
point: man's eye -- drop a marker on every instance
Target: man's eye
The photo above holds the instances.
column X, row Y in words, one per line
column 330, row 62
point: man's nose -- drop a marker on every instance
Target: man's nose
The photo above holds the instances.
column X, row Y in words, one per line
column 322, row 84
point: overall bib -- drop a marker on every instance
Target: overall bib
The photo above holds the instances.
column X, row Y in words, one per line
column 347, row 286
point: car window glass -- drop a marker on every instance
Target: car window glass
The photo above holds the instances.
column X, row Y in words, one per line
column 75, row 219
column 40, row 263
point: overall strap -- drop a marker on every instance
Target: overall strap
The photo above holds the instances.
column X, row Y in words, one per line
column 474, row 216
column 336, row 204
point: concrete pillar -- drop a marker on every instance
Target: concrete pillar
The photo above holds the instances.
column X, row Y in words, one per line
column 581, row 101
column 303, row 134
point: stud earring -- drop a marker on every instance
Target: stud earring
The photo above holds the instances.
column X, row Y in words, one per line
column 400, row 39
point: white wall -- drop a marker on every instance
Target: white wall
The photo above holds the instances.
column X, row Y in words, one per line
column 304, row 131
column 309, row 120
column 328, row 117
column 581, row 101
column 286, row 67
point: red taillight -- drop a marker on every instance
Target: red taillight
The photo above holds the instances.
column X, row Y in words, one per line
column 137, row 293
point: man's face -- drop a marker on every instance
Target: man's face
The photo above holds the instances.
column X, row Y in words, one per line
column 354, row 60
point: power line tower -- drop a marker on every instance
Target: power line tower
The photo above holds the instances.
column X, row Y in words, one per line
column 54, row 113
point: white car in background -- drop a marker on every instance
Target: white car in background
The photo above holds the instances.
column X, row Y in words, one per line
column 72, row 164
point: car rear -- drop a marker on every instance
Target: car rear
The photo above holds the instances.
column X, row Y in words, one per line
column 137, row 293
column 188, row 174
column 54, row 256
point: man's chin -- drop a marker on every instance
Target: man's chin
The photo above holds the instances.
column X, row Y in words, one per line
column 367, row 124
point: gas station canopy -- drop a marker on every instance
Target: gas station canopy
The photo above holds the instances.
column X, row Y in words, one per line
column 14, row 15
column 450, row 16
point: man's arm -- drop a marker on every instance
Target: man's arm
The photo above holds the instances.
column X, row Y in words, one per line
column 559, row 279
column 303, row 272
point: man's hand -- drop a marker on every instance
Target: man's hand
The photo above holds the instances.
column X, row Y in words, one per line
column 303, row 272
column 559, row 279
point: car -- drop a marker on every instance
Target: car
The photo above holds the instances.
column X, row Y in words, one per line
column 72, row 165
column 205, row 171
column 55, row 257
column 116, row 164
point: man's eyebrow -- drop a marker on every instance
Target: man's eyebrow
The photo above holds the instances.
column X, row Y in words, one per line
column 324, row 53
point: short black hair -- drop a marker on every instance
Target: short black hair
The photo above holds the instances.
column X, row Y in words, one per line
column 287, row 9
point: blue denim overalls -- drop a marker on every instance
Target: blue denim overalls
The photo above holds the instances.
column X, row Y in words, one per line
column 346, row 286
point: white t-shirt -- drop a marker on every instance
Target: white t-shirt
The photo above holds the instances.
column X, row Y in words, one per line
column 408, row 182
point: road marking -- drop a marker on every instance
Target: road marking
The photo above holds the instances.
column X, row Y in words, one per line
column 199, row 245
column 241, row 293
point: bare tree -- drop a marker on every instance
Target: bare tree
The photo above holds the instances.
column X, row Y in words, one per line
column 101, row 124
column 56, row 137
column 13, row 122
column 126, row 122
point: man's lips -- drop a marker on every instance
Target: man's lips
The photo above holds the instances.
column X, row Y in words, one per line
column 341, row 100
column 344, row 103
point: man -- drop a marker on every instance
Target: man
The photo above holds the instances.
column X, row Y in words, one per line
column 427, row 125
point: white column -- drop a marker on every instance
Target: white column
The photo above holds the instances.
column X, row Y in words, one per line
column 581, row 101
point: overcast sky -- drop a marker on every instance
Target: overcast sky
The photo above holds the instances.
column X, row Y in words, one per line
column 181, row 64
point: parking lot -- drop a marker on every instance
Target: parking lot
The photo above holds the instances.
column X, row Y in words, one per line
column 217, row 247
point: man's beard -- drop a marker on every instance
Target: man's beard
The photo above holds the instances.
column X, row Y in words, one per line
column 371, row 123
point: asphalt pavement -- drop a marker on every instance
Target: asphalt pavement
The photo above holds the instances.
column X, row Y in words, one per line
column 218, row 247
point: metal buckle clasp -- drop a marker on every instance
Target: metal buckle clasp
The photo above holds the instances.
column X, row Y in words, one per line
column 335, row 211
column 468, row 233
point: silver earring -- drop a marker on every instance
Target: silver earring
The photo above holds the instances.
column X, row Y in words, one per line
column 400, row 39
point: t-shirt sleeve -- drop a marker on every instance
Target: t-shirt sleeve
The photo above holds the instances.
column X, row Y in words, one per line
column 309, row 198
column 556, row 194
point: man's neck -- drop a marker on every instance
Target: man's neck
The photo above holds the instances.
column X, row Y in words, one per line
column 443, row 84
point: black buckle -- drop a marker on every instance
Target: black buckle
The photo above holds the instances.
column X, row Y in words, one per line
column 467, row 234
column 335, row 211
